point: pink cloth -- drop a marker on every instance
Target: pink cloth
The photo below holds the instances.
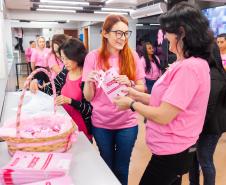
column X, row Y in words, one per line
column 223, row 57
column 186, row 85
column 155, row 72
column 52, row 61
column 73, row 90
column 105, row 114
column 39, row 57
column 28, row 53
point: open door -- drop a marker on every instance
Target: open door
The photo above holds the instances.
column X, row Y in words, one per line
column 73, row 33
column 86, row 38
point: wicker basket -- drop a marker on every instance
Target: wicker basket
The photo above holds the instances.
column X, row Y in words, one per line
column 55, row 143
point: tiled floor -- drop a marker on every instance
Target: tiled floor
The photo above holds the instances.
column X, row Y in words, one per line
column 141, row 157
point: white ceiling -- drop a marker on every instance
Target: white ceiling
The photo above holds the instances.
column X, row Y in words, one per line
column 27, row 4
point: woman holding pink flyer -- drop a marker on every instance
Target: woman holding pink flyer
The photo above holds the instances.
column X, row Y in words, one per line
column 107, row 71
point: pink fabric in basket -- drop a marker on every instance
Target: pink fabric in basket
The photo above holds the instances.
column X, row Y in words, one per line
column 41, row 126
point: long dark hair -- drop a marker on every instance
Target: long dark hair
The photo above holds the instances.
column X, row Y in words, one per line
column 187, row 22
column 216, row 58
column 147, row 59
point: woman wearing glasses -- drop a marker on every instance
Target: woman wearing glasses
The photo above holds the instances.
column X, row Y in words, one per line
column 115, row 131
column 53, row 60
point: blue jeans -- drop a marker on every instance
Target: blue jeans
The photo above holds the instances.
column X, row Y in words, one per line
column 149, row 84
column 115, row 148
column 206, row 146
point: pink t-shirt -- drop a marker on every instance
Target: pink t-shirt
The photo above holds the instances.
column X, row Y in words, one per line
column 106, row 114
column 155, row 72
column 72, row 89
column 186, row 85
column 39, row 57
column 28, row 53
column 223, row 57
column 52, row 61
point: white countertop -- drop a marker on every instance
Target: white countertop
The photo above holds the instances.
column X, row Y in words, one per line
column 87, row 167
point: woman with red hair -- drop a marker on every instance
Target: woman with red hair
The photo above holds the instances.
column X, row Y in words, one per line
column 115, row 131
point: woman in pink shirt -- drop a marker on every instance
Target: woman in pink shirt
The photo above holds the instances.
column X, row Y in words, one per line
column 115, row 131
column 151, row 65
column 38, row 60
column 177, row 106
column 54, row 61
column 69, row 85
column 28, row 53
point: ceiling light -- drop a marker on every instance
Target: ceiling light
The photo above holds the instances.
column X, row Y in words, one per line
column 14, row 21
column 60, row 7
column 55, row 10
column 154, row 24
column 151, row 10
column 64, row 2
column 44, row 22
column 116, row 9
column 119, row 13
column 139, row 25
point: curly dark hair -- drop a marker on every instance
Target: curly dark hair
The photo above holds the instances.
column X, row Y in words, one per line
column 187, row 22
column 74, row 50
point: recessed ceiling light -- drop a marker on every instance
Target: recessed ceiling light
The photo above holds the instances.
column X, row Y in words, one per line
column 116, row 9
column 102, row 12
column 64, row 2
column 55, row 10
column 60, row 7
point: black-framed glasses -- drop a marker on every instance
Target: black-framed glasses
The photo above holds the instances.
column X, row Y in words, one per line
column 119, row 33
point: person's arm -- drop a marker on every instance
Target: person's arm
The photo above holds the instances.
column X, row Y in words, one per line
column 33, row 65
column 33, row 59
column 59, row 82
column 139, row 96
column 83, row 106
column 139, row 86
column 89, row 90
column 163, row 114
column 56, row 68
column 89, row 75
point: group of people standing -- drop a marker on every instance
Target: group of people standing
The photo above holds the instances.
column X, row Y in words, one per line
column 175, row 105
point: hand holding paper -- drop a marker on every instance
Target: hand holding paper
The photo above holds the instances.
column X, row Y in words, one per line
column 109, row 82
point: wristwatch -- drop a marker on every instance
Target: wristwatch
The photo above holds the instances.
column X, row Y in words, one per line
column 131, row 105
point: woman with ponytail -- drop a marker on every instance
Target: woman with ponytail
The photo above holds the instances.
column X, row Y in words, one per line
column 115, row 131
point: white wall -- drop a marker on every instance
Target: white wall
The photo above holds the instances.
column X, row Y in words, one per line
column 49, row 32
column 8, row 38
column 94, row 36
column 132, row 39
column 3, row 62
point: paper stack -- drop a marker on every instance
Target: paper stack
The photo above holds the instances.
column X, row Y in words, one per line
column 29, row 167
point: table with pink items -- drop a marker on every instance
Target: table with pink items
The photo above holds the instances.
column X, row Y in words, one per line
column 87, row 167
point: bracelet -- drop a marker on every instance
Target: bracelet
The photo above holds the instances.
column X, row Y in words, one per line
column 131, row 105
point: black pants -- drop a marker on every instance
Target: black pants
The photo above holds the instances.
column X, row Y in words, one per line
column 168, row 169
column 19, row 44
